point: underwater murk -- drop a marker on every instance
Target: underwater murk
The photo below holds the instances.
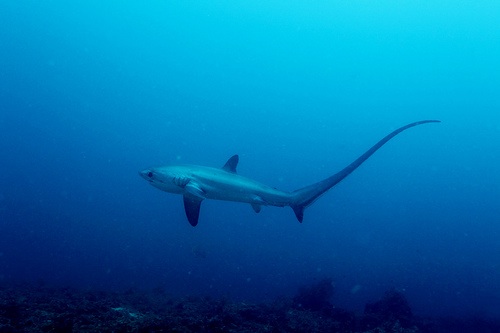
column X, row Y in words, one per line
column 292, row 188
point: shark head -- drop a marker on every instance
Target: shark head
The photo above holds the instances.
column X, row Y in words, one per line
column 167, row 179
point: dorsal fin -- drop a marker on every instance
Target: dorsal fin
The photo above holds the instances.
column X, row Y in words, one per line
column 231, row 164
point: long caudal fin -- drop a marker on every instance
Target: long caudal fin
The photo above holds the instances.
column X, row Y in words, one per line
column 305, row 196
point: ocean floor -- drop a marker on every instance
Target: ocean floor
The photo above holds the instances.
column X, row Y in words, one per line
column 38, row 308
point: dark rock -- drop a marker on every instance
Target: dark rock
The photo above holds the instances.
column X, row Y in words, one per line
column 315, row 297
column 391, row 308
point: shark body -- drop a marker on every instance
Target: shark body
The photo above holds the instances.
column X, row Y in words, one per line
column 197, row 183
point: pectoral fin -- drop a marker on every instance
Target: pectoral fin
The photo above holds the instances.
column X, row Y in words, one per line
column 192, row 207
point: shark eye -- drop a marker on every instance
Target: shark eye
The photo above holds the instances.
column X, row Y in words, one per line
column 150, row 174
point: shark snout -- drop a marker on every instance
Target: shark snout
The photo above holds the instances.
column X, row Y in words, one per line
column 146, row 174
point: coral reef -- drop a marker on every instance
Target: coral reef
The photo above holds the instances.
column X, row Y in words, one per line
column 29, row 308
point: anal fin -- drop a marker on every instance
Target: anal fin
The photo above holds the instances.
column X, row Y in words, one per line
column 299, row 212
column 256, row 207
column 192, row 207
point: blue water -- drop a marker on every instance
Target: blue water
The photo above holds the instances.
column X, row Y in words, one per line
column 91, row 92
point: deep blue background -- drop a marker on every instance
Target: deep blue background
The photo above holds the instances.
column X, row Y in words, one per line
column 91, row 92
